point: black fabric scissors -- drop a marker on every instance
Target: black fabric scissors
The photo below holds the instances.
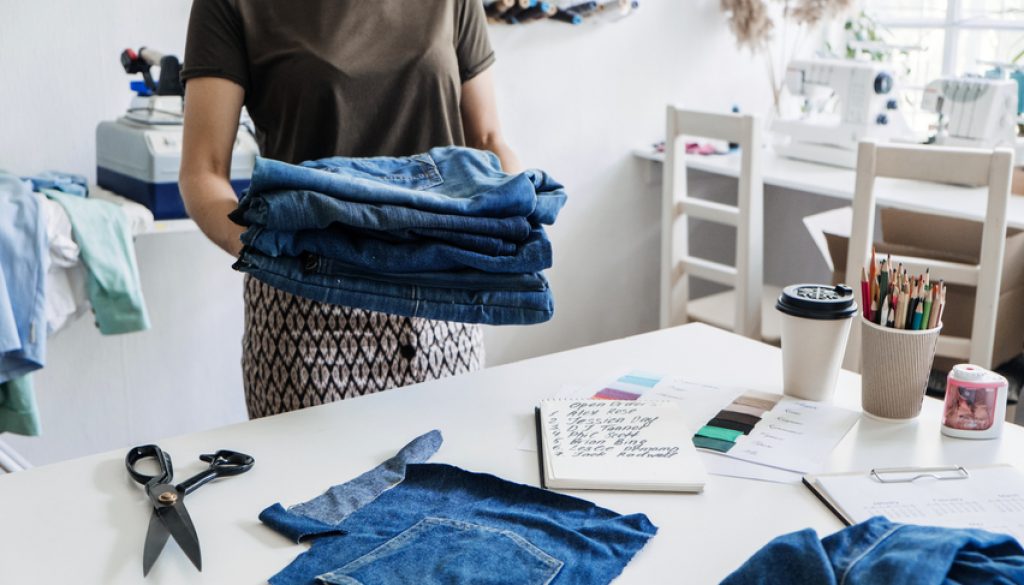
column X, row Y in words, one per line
column 170, row 517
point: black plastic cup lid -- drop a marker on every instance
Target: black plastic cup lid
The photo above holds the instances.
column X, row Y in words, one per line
column 817, row 301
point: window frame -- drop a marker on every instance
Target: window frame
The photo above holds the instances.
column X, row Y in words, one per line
column 952, row 25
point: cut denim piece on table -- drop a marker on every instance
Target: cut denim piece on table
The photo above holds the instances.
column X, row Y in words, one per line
column 441, row 524
column 880, row 551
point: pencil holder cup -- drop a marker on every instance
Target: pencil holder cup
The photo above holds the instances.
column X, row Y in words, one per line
column 895, row 364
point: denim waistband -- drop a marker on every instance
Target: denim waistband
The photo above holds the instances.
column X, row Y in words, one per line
column 448, row 180
column 466, row 296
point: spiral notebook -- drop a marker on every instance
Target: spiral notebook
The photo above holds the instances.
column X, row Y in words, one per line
column 616, row 445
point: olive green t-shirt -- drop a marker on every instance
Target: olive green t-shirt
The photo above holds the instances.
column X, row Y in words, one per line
column 343, row 77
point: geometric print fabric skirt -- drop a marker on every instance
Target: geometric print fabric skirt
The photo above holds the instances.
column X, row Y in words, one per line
column 298, row 353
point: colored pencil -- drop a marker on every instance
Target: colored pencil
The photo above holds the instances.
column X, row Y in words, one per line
column 865, row 294
column 927, row 313
column 918, row 315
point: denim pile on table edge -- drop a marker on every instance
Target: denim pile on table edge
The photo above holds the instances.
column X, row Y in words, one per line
column 880, row 551
column 359, row 232
column 412, row 522
column 69, row 183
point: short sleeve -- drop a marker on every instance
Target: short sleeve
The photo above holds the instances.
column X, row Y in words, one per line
column 215, row 45
column 472, row 45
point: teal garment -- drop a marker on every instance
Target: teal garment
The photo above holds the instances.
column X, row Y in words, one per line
column 18, row 412
column 103, row 234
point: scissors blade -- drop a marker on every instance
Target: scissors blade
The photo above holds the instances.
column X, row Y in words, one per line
column 177, row 521
column 156, row 538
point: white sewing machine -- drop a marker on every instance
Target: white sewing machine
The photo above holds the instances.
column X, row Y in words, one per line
column 844, row 103
column 974, row 111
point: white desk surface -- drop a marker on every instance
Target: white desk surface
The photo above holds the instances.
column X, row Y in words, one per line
column 84, row 521
column 947, row 200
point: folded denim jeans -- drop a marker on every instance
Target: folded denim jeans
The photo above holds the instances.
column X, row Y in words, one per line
column 448, row 180
column 468, row 296
column 294, row 210
column 426, row 524
column 359, row 250
column 880, row 551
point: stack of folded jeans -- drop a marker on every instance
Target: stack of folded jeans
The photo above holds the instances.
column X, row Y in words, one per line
column 442, row 235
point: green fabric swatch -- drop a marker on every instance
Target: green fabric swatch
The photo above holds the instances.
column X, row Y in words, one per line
column 719, row 433
column 714, row 444
column 18, row 411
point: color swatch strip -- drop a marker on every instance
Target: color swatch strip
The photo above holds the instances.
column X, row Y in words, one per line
column 734, row 421
column 629, row 387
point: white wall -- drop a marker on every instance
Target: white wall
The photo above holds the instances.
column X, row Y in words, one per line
column 574, row 101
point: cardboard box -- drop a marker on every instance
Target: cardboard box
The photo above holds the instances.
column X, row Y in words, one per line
column 910, row 233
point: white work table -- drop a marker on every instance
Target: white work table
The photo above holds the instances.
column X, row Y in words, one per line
column 84, row 521
column 778, row 171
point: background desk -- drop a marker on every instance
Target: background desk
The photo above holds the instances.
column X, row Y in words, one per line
column 84, row 521
column 948, row 200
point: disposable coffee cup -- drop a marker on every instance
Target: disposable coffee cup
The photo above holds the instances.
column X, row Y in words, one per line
column 816, row 321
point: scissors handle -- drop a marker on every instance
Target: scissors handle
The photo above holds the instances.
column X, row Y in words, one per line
column 223, row 463
column 163, row 460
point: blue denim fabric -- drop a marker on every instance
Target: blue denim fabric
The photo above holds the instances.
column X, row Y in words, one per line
column 465, row 296
column 444, row 525
column 317, row 229
column 449, row 180
column 69, row 183
column 371, row 253
column 24, row 260
column 278, row 210
column 880, row 551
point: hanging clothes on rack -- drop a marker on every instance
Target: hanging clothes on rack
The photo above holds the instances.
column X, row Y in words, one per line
column 102, row 232
column 24, row 260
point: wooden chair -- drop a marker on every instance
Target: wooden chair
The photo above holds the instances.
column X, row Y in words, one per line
column 962, row 166
column 748, row 304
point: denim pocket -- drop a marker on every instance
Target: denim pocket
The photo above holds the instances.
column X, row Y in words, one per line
column 418, row 172
column 443, row 551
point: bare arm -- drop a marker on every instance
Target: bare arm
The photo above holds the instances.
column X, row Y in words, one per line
column 212, row 107
column 480, row 120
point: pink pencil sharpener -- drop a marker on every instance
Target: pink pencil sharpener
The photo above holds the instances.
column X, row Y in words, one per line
column 975, row 403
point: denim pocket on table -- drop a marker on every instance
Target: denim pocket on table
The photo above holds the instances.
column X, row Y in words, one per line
column 418, row 172
column 443, row 551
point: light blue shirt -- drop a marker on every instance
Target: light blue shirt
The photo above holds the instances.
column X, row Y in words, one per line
column 24, row 260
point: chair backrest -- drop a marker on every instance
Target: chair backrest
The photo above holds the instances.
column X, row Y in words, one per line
column 962, row 166
column 677, row 265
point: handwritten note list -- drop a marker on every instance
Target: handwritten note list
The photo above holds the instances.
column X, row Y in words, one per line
column 613, row 444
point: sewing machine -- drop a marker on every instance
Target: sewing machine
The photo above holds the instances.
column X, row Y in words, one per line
column 975, row 111
column 844, row 103
column 139, row 154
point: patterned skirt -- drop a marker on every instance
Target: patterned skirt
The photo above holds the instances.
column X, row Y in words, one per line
column 298, row 353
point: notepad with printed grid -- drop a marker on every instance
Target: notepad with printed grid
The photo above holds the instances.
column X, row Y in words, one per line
column 616, row 445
